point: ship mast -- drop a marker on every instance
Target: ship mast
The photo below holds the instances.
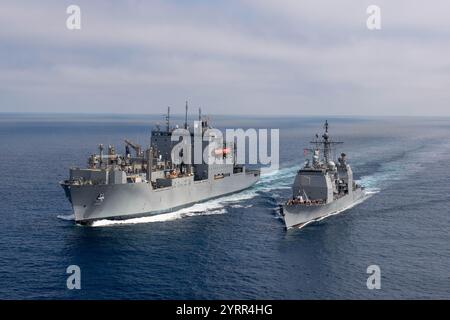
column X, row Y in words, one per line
column 185, row 116
column 168, row 119
column 326, row 142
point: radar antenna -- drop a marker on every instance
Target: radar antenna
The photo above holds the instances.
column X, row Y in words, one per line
column 326, row 143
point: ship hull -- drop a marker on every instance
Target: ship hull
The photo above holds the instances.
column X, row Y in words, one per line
column 124, row 201
column 297, row 215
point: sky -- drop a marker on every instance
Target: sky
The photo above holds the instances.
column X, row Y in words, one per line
column 264, row 57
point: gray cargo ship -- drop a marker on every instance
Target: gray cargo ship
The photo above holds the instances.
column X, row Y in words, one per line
column 148, row 182
column 322, row 187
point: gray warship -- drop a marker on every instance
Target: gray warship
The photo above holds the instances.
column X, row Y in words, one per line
column 148, row 182
column 322, row 187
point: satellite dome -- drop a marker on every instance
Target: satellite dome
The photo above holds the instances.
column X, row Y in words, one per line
column 331, row 164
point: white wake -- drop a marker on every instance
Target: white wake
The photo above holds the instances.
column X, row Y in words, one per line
column 68, row 217
column 274, row 180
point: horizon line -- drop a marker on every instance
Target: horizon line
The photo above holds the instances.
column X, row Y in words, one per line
column 216, row 114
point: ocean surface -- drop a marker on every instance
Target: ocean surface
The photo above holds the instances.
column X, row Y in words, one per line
column 233, row 247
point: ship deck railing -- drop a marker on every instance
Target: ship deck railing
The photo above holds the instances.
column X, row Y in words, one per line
column 314, row 202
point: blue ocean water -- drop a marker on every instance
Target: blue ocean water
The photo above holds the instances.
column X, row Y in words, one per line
column 234, row 247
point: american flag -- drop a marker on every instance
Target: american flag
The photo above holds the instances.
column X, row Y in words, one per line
column 305, row 152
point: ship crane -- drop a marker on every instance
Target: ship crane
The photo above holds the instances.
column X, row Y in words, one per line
column 135, row 146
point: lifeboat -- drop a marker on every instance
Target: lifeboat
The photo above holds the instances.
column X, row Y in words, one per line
column 222, row 151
